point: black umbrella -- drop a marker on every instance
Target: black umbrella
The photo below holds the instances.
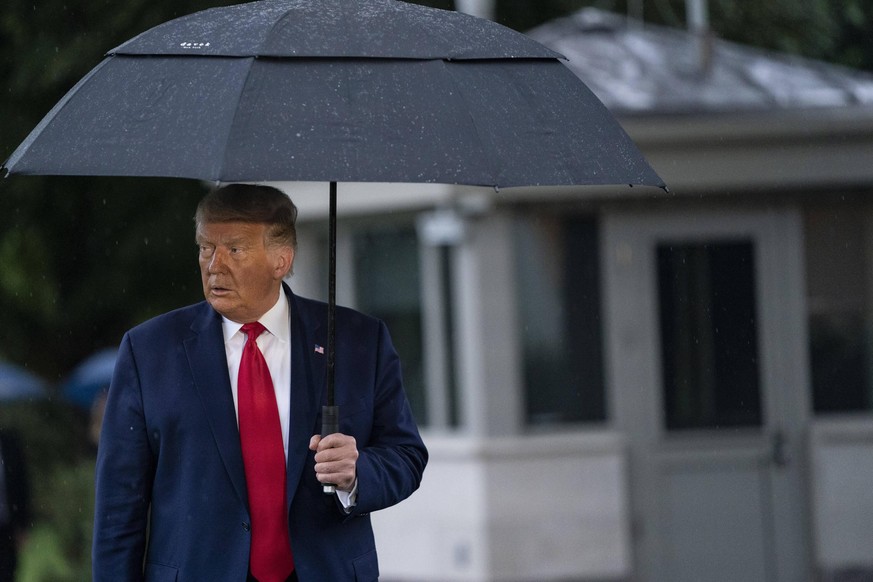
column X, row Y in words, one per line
column 334, row 90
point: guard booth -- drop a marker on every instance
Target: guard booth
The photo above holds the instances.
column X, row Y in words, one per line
column 619, row 384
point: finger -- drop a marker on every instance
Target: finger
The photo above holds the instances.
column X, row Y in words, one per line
column 343, row 477
column 346, row 452
column 313, row 442
column 336, row 441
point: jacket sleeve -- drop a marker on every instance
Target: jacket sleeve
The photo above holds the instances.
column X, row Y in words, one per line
column 391, row 464
column 125, row 471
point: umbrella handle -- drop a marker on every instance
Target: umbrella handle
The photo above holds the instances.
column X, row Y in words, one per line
column 329, row 425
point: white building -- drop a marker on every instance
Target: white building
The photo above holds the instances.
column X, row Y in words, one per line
column 619, row 384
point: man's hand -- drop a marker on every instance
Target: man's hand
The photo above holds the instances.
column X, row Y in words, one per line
column 335, row 458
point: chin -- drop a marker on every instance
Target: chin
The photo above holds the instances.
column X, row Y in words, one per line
column 220, row 306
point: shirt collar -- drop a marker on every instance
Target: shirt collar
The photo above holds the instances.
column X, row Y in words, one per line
column 275, row 320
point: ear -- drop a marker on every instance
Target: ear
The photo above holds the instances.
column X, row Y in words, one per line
column 284, row 260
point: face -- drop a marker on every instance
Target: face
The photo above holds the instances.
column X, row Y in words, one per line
column 241, row 275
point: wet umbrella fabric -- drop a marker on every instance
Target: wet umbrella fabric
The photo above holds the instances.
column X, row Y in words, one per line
column 333, row 90
column 16, row 383
column 91, row 377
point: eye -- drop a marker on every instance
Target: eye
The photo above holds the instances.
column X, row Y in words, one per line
column 235, row 250
column 206, row 250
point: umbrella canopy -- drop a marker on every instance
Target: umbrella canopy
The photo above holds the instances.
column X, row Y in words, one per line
column 334, row 90
column 16, row 383
column 90, row 378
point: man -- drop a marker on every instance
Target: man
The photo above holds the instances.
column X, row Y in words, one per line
column 14, row 504
column 187, row 471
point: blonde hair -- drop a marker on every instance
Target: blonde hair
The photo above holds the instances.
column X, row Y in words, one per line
column 255, row 204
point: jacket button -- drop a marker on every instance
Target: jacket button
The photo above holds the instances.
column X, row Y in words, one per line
column 246, row 526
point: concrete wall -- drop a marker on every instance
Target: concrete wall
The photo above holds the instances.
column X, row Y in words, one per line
column 842, row 482
column 555, row 507
column 513, row 508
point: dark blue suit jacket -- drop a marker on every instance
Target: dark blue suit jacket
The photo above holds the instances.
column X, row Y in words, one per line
column 170, row 462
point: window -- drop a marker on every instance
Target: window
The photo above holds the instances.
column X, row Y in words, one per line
column 559, row 302
column 387, row 287
column 838, row 266
column 709, row 346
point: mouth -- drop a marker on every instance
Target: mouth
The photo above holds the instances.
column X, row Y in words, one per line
column 218, row 291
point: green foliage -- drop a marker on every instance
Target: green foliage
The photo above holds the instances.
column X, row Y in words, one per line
column 58, row 549
column 86, row 258
column 854, row 44
column 839, row 31
column 794, row 26
column 60, row 464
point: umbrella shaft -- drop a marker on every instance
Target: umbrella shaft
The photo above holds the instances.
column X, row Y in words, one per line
column 331, row 299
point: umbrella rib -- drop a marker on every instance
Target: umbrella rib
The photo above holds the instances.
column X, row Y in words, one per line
column 268, row 34
column 220, row 173
column 494, row 166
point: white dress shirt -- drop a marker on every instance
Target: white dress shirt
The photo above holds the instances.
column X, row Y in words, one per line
column 275, row 345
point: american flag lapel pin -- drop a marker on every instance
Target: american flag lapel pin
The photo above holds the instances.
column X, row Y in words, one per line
column 319, row 349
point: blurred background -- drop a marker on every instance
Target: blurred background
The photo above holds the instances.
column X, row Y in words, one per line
column 655, row 354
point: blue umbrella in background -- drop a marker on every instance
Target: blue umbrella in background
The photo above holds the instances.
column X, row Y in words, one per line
column 16, row 383
column 90, row 378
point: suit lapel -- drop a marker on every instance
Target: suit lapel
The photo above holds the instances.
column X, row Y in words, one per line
column 205, row 350
column 206, row 356
column 307, row 379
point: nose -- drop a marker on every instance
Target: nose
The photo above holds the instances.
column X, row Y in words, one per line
column 216, row 261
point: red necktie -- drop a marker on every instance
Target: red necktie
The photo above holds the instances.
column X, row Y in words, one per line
column 264, row 460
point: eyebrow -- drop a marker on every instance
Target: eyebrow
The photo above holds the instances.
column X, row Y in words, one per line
column 236, row 241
